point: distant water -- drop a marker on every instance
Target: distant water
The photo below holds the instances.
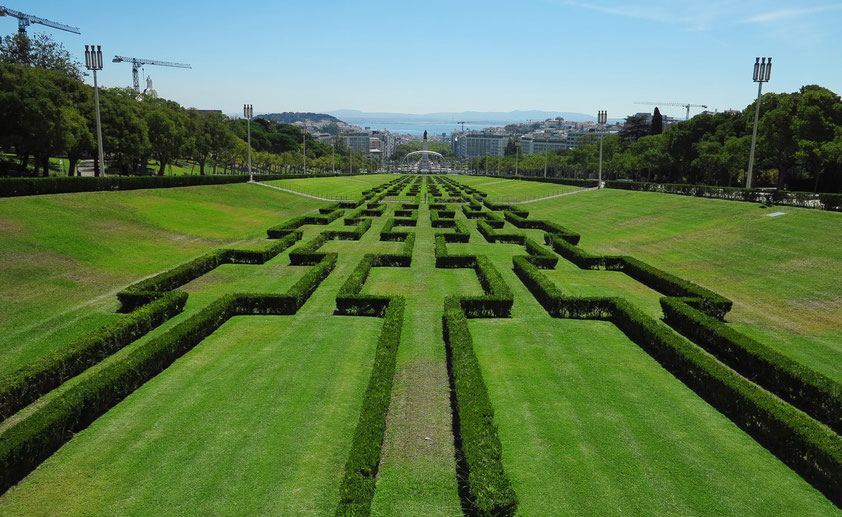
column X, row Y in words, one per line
column 417, row 127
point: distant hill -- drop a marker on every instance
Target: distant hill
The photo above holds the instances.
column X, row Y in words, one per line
column 475, row 117
column 289, row 117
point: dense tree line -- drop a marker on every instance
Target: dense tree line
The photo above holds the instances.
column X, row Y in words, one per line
column 799, row 147
column 47, row 111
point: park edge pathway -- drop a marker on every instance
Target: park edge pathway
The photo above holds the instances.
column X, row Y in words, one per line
column 311, row 196
column 553, row 196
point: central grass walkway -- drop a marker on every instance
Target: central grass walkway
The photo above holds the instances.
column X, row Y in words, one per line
column 418, row 470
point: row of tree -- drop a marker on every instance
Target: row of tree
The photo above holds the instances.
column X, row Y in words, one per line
column 799, row 147
column 47, row 111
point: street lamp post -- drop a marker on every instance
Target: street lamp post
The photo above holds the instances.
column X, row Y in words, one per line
column 333, row 155
column 762, row 72
column 517, row 153
column 93, row 62
column 602, row 119
column 546, row 152
column 248, row 112
column 304, row 137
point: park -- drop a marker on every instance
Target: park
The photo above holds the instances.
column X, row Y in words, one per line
column 417, row 344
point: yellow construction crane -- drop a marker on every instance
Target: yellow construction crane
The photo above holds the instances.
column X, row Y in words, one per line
column 681, row 104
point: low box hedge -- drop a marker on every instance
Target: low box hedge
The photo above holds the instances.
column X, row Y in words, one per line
column 479, row 451
column 814, row 393
column 30, row 440
column 360, row 476
column 27, row 384
column 805, row 444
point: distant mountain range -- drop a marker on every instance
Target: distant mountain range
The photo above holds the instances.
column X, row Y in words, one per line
column 472, row 117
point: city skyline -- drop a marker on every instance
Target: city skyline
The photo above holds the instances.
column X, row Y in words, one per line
column 550, row 55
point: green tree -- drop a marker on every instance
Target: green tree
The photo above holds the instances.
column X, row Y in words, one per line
column 39, row 51
column 167, row 134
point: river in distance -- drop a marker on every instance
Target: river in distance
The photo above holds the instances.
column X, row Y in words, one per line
column 417, row 127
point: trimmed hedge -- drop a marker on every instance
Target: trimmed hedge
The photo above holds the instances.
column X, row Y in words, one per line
column 462, row 234
column 147, row 290
column 665, row 283
column 803, row 387
column 586, row 183
column 37, row 435
column 479, row 451
column 287, row 227
column 491, row 235
column 359, row 480
column 806, row 445
column 27, row 384
column 10, row 187
column 445, row 260
column 547, row 226
column 308, row 253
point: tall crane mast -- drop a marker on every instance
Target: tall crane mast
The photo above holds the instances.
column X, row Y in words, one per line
column 139, row 62
column 25, row 20
column 681, row 104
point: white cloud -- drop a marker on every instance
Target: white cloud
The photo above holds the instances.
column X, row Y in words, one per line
column 785, row 14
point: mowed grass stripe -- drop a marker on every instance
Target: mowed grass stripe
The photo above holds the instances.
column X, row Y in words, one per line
column 417, row 473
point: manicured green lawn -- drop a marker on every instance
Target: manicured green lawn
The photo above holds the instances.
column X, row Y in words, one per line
column 335, row 187
column 507, row 191
column 781, row 272
column 258, row 418
column 65, row 256
column 255, row 420
column 592, row 425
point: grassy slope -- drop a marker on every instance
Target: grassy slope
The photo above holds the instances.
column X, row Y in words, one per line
column 503, row 190
column 781, row 272
column 591, row 424
column 417, row 474
column 335, row 187
column 65, row 255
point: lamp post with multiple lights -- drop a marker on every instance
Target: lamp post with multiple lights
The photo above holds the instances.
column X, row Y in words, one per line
column 93, row 62
column 248, row 112
column 762, row 72
column 602, row 119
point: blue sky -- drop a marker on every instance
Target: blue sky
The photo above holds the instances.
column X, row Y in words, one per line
column 419, row 57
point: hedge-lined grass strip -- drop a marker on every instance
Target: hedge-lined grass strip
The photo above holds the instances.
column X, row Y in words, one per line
column 665, row 283
column 809, row 447
column 461, row 233
column 36, row 436
column 359, row 480
column 147, row 290
column 479, row 451
column 25, row 385
column 803, row 387
column 287, row 227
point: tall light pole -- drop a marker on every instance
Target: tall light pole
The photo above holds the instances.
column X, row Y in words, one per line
column 93, row 62
column 304, row 137
column 546, row 152
column 248, row 112
column 517, row 152
column 332, row 155
column 762, row 72
column 602, row 119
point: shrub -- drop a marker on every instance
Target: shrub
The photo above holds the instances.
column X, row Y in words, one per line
column 10, row 187
column 358, row 483
column 480, row 454
column 45, row 374
column 27, row 442
column 803, row 387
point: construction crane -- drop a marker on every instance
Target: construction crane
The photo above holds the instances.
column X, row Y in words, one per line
column 25, row 20
column 682, row 104
column 463, row 124
column 139, row 62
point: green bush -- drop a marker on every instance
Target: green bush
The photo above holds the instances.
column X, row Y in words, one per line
column 143, row 292
column 27, row 442
column 462, row 234
column 445, row 260
column 10, row 187
column 358, row 482
column 806, row 445
column 803, row 387
column 479, row 452
column 45, row 374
